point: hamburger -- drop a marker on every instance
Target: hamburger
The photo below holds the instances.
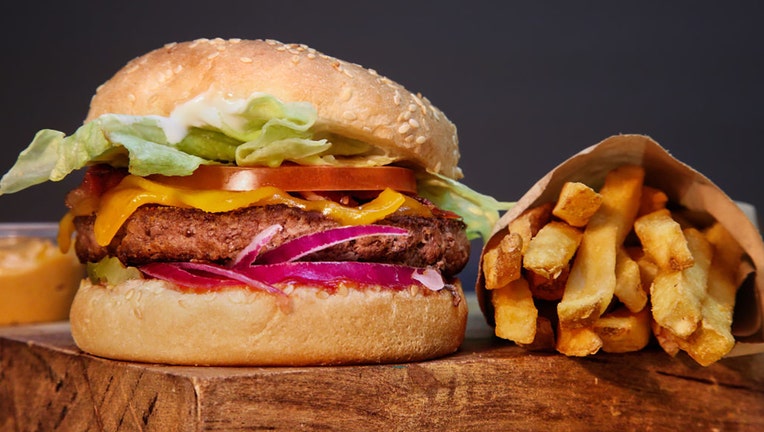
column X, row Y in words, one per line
column 248, row 202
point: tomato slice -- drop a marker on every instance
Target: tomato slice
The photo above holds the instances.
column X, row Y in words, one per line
column 295, row 178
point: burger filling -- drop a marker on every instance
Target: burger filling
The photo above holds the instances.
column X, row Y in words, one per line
column 142, row 202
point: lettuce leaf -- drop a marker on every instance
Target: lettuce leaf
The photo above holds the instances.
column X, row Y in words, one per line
column 480, row 212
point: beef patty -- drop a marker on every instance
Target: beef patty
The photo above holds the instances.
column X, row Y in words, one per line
column 159, row 233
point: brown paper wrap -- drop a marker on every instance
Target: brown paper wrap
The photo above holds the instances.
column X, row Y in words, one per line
column 684, row 186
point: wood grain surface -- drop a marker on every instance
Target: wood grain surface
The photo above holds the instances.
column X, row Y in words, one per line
column 47, row 384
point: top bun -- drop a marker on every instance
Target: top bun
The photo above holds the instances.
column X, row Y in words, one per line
column 350, row 100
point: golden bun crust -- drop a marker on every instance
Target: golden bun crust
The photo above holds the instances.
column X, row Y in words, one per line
column 351, row 100
column 149, row 321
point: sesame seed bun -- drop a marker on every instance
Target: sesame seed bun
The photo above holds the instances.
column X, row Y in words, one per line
column 151, row 321
column 351, row 101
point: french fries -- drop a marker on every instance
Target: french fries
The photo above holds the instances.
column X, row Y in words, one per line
column 628, row 282
column 677, row 296
column 713, row 337
column 591, row 283
column 551, row 249
column 502, row 263
column 515, row 313
column 614, row 269
column 663, row 241
column 577, row 204
column 623, row 330
column 578, row 341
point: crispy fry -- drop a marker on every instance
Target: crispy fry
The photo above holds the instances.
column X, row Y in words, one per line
column 577, row 342
column 713, row 338
column 503, row 263
column 577, row 203
column 652, row 199
column 676, row 296
column 663, row 241
column 591, row 283
column 544, row 340
column 515, row 312
column 623, row 330
column 530, row 222
column 727, row 251
column 628, row 282
column 667, row 340
column 545, row 288
column 551, row 249
column 647, row 269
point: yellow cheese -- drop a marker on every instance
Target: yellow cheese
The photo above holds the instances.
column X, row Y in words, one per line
column 119, row 203
column 37, row 281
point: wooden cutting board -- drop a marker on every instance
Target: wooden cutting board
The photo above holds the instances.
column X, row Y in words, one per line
column 46, row 383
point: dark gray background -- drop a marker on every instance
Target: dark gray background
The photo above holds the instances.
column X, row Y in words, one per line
column 527, row 83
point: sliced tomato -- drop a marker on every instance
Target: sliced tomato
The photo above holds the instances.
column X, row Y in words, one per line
column 293, row 178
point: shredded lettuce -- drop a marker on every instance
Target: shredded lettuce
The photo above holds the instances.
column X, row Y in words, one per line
column 210, row 129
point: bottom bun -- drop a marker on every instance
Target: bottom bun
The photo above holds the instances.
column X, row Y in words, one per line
column 151, row 321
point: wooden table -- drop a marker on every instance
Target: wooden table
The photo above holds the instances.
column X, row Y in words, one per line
column 46, row 383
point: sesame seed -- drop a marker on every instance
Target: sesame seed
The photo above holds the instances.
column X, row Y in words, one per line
column 322, row 294
column 311, row 55
column 342, row 290
column 295, row 59
column 129, row 295
column 281, row 48
column 347, row 72
column 414, row 123
column 131, row 97
column 349, row 115
column 412, row 107
column 373, row 72
column 405, row 127
column 413, row 290
column 420, row 140
column 170, row 45
column 346, row 93
column 366, row 129
column 409, row 138
column 245, row 59
column 271, row 42
column 397, row 98
column 213, row 55
column 132, row 68
column 234, row 40
column 406, row 115
column 178, row 69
